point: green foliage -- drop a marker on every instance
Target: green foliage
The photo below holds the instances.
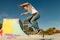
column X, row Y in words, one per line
column 49, row 31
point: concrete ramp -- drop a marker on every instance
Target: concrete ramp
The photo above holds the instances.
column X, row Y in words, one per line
column 12, row 26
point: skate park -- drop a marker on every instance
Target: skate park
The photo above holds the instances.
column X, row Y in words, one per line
column 14, row 28
column 14, row 24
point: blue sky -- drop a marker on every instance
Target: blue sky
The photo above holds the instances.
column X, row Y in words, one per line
column 49, row 11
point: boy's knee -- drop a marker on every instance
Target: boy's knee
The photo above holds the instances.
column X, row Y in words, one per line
column 31, row 21
column 28, row 20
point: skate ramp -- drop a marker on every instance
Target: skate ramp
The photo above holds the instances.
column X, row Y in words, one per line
column 12, row 26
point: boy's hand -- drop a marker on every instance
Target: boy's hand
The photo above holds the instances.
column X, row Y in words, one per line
column 22, row 14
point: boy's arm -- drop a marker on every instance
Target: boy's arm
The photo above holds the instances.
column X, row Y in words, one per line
column 25, row 13
column 29, row 10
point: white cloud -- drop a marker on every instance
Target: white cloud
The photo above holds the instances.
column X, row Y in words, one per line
column 4, row 14
column 0, row 16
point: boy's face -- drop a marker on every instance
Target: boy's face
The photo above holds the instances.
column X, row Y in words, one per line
column 25, row 8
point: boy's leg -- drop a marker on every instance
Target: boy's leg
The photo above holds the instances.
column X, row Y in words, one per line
column 35, row 26
column 29, row 18
column 34, row 23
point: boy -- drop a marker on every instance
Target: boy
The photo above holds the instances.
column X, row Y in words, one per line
column 32, row 20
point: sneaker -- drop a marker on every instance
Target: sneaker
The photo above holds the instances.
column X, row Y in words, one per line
column 38, row 31
column 25, row 32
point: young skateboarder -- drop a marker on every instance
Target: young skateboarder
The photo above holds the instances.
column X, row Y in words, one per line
column 35, row 15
